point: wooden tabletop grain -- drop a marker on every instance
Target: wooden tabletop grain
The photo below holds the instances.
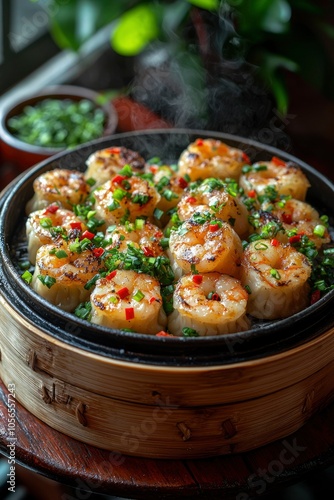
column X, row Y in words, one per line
column 37, row 446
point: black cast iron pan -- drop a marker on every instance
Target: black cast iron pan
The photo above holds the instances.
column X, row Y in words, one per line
column 264, row 339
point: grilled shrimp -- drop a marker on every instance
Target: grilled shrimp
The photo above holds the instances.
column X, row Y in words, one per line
column 143, row 233
column 298, row 218
column 285, row 178
column 125, row 198
column 61, row 186
column 219, row 202
column 60, row 275
column 50, row 225
column 208, row 304
column 105, row 163
column 206, row 245
column 127, row 299
column 211, row 158
column 276, row 277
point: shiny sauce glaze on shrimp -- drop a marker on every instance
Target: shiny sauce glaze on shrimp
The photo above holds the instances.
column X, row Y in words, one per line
column 276, row 277
column 62, row 186
column 207, row 244
column 208, row 304
column 125, row 197
column 127, row 299
column 50, row 225
column 285, row 178
column 105, row 163
column 211, row 158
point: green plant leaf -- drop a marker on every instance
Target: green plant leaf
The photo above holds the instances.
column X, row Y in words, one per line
column 206, row 4
column 172, row 15
column 75, row 21
column 277, row 17
column 136, row 28
column 270, row 70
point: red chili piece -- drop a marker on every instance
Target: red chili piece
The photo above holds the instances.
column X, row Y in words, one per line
column 197, row 278
column 148, row 252
column 75, row 225
column 152, row 299
column 287, row 218
column 245, row 157
column 295, row 239
column 113, row 150
column 88, row 235
column 215, row 296
column 163, row 334
column 213, row 227
column 129, row 313
column 111, row 275
column 118, row 179
column 51, row 209
column 199, row 142
column 98, row 251
column 123, row 292
column 278, row 161
column 154, row 168
column 191, row 200
column 274, row 242
column 252, row 193
column 182, row 183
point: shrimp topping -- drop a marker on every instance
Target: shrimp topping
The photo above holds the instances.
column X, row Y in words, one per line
column 105, row 163
column 285, row 178
column 64, row 187
column 127, row 299
column 142, row 233
column 213, row 195
column 50, row 225
column 276, row 277
column 211, row 158
column 298, row 218
column 215, row 304
column 125, row 198
column 206, row 244
column 61, row 276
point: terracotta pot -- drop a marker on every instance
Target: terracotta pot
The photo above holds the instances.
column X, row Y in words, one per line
column 23, row 155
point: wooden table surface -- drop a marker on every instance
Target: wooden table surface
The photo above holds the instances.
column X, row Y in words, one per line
column 238, row 477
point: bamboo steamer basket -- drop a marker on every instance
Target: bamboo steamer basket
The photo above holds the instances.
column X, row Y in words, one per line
column 161, row 397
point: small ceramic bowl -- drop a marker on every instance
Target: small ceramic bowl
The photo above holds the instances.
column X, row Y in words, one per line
column 22, row 154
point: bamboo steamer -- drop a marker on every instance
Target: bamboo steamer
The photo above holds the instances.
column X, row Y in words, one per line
column 156, row 397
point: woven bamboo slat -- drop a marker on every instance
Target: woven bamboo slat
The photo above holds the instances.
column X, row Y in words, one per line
column 164, row 412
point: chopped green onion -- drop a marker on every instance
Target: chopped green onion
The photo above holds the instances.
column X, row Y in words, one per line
column 113, row 206
column 83, row 311
column 47, row 280
column 139, row 223
column 319, row 230
column 46, row 222
column 119, row 194
column 27, row 276
column 275, row 274
column 138, row 296
column 61, row 254
column 189, row 332
column 260, row 245
column 158, row 213
column 126, row 170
